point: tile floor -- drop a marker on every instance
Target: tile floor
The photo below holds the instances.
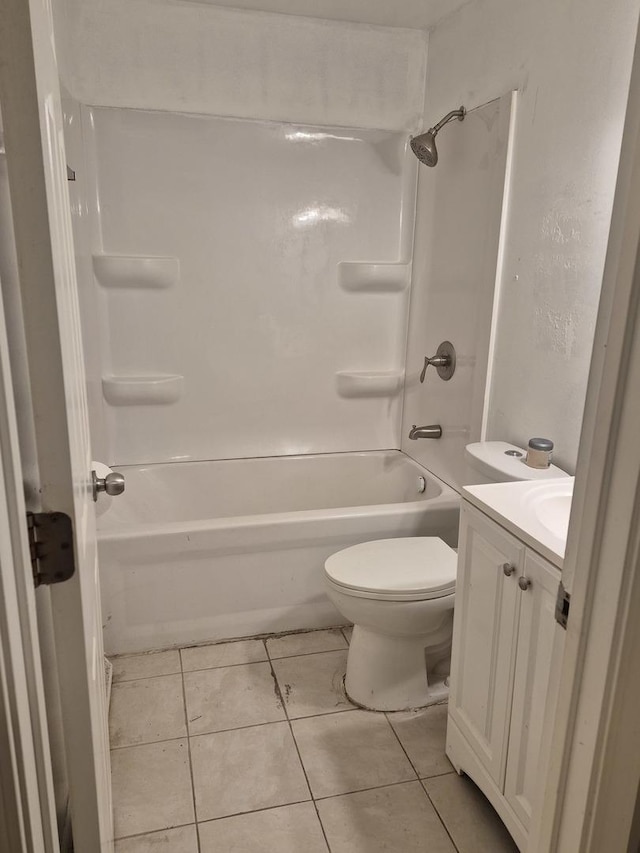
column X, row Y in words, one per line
column 252, row 747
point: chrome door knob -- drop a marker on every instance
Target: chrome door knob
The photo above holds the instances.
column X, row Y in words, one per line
column 524, row 583
column 508, row 569
column 112, row 484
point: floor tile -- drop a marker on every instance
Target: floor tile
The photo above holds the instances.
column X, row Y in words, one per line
column 307, row 643
column 349, row 752
column 151, row 787
column 246, row 769
column 423, row 735
column 231, row 697
column 312, row 684
column 348, row 631
column 147, row 710
column 289, row 829
column 222, row 654
column 130, row 667
column 182, row 840
column 385, row 820
column 469, row 817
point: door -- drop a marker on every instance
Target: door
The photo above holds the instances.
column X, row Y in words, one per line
column 30, row 100
column 539, row 638
column 484, row 637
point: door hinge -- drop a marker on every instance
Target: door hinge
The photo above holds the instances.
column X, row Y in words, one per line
column 563, row 603
column 51, row 546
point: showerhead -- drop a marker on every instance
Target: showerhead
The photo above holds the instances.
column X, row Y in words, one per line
column 424, row 145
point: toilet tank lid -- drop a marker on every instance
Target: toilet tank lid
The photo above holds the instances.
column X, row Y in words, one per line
column 411, row 564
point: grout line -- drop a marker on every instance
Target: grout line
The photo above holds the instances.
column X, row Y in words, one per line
column 277, row 635
column 118, row 682
column 254, row 811
column 435, row 808
column 226, row 666
column 152, row 831
column 193, row 787
column 372, row 788
column 147, row 743
column 295, row 743
column 310, row 654
column 444, row 826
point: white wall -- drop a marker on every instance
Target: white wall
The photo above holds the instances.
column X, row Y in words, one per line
column 571, row 61
column 193, row 57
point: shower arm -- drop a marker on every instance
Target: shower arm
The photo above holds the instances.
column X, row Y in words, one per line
column 459, row 114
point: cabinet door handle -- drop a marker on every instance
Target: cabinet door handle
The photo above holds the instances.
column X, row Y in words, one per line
column 524, row 583
column 508, row 569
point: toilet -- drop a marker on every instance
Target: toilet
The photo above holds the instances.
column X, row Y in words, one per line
column 400, row 593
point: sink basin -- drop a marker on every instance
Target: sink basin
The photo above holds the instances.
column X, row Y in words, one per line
column 536, row 512
column 551, row 505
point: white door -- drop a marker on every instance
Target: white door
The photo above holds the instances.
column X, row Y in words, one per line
column 539, row 637
column 484, row 637
column 30, row 98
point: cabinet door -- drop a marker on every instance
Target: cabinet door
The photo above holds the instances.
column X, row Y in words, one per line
column 538, row 635
column 484, row 637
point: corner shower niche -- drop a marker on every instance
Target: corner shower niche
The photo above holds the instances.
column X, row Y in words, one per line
column 230, row 282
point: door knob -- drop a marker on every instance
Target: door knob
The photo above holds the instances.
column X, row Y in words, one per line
column 508, row 569
column 112, row 484
column 524, row 583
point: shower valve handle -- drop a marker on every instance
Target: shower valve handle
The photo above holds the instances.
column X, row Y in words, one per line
column 444, row 361
column 112, row 484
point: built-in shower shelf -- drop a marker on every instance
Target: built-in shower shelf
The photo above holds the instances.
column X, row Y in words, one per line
column 373, row 278
column 136, row 272
column 159, row 390
column 369, row 383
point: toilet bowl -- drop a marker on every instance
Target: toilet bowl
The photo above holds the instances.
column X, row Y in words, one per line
column 399, row 594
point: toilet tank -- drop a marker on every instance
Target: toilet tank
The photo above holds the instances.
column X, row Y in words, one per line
column 501, row 462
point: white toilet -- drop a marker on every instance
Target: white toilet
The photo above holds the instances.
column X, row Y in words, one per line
column 399, row 594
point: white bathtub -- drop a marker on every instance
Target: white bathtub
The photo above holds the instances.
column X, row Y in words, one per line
column 198, row 551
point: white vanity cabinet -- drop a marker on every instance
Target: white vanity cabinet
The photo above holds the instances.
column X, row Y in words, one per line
column 503, row 641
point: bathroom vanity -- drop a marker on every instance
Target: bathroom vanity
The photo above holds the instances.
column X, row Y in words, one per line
column 512, row 538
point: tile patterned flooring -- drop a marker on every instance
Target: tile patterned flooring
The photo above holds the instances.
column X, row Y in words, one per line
column 252, row 747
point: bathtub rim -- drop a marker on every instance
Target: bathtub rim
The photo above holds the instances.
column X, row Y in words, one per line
column 448, row 498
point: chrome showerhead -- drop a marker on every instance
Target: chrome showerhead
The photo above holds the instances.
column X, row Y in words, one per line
column 424, row 145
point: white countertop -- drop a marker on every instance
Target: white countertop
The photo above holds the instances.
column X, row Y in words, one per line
column 535, row 512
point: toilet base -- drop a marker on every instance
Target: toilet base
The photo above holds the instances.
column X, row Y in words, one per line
column 387, row 673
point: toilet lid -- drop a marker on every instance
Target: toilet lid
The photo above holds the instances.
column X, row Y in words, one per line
column 409, row 566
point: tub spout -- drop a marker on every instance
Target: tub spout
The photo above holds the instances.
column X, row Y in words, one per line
column 431, row 431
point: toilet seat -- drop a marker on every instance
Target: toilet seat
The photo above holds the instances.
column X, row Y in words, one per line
column 414, row 568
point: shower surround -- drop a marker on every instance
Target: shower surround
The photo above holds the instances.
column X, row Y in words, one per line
column 252, row 334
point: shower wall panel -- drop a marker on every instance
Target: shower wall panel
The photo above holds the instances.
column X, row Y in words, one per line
column 252, row 284
column 457, row 268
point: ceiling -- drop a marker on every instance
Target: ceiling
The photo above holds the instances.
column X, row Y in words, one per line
column 419, row 14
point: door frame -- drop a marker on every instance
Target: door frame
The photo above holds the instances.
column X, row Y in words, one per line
column 591, row 784
column 27, row 803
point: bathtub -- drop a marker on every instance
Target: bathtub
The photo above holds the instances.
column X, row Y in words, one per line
column 199, row 551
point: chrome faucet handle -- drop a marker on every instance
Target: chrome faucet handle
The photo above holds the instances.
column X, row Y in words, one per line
column 444, row 361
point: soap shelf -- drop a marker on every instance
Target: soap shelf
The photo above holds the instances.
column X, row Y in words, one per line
column 136, row 272
column 369, row 383
column 157, row 390
column 373, row 278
